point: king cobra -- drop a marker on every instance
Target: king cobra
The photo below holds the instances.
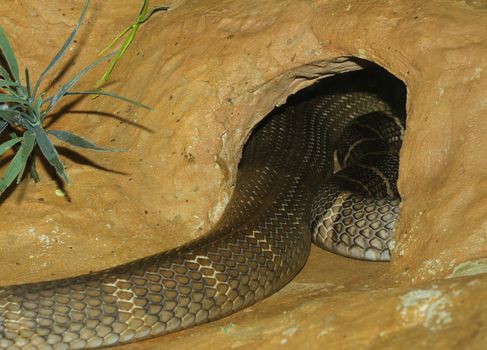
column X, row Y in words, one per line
column 309, row 161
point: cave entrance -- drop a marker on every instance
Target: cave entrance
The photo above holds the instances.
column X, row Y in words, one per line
column 342, row 135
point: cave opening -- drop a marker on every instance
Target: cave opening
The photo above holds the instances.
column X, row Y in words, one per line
column 361, row 115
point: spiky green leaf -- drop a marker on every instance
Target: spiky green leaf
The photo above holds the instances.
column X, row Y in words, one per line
column 78, row 141
column 12, row 88
column 110, row 94
column 62, row 50
column 27, row 82
column 8, row 83
column 9, row 91
column 11, row 172
column 154, row 10
column 50, row 153
column 14, row 99
column 27, row 121
column 36, row 111
column 62, row 91
column 16, row 116
column 114, row 40
column 13, row 117
column 4, row 147
column 9, row 56
column 28, row 143
column 33, row 171
column 3, row 126
column 125, row 45
column 4, row 73
column 17, row 164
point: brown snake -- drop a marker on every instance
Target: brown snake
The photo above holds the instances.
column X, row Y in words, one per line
column 262, row 241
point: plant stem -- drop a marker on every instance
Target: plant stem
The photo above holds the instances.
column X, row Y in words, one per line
column 142, row 16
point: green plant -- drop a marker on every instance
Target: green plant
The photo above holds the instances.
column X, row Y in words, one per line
column 23, row 111
column 143, row 15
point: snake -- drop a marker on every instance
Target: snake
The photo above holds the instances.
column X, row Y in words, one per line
column 316, row 169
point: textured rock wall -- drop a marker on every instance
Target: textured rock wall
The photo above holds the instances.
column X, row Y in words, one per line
column 211, row 70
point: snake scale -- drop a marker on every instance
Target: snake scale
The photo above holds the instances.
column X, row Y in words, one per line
column 259, row 245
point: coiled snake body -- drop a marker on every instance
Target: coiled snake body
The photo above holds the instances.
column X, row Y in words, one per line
column 260, row 244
